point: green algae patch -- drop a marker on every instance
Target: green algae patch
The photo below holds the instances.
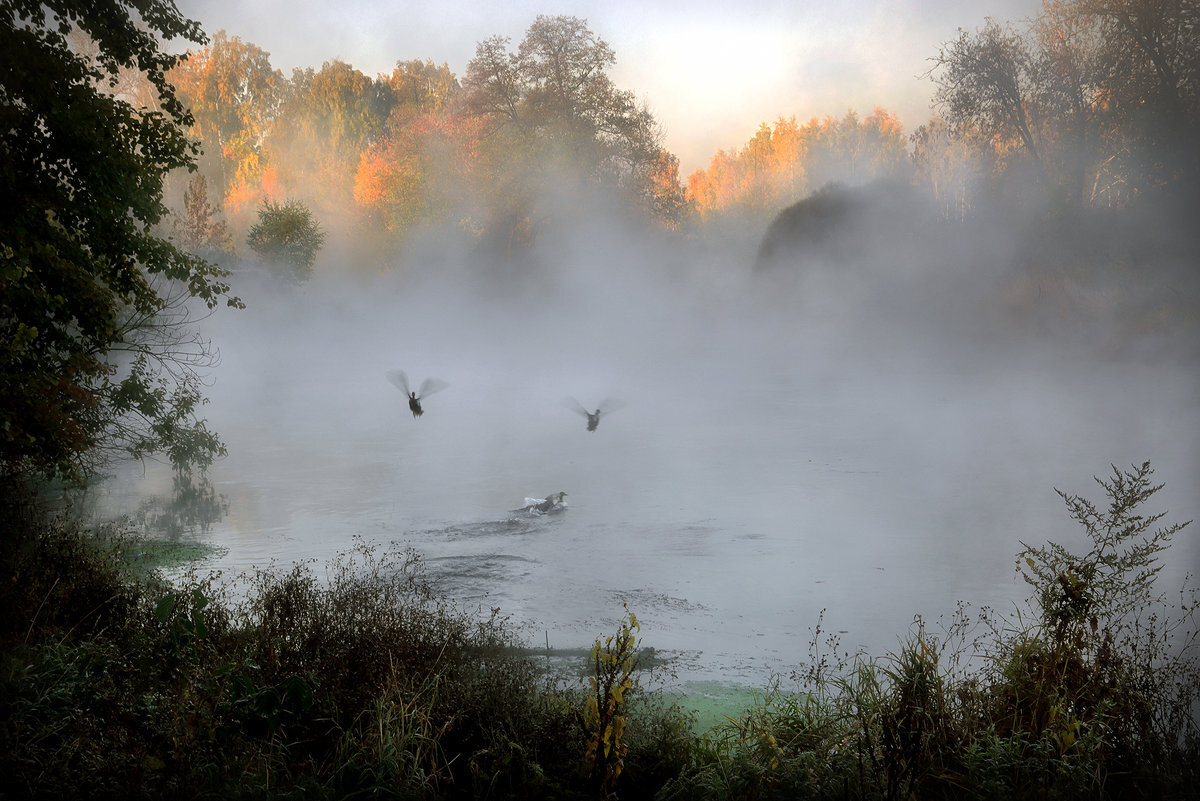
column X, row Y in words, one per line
column 715, row 703
column 147, row 555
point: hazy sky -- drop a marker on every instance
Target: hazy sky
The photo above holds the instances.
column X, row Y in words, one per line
column 711, row 72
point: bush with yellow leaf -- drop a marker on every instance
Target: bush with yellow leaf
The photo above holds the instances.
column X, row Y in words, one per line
column 613, row 663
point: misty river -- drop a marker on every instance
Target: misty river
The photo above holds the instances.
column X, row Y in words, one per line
column 868, row 450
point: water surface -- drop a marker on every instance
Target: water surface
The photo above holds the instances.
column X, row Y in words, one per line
column 774, row 459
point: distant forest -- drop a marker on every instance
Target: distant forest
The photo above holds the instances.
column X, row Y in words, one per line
column 1094, row 103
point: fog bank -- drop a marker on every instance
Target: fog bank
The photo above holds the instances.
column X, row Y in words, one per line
column 873, row 436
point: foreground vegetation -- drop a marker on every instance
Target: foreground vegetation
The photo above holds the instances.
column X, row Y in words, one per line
column 117, row 683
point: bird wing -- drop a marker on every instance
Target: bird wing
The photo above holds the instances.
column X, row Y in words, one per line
column 609, row 405
column 575, row 406
column 430, row 386
column 398, row 378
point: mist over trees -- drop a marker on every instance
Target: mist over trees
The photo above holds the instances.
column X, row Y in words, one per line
column 391, row 154
column 1094, row 102
column 553, row 103
column 1089, row 105
column 784, row 163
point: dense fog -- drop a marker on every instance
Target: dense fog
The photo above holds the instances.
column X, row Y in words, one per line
column 872, row 431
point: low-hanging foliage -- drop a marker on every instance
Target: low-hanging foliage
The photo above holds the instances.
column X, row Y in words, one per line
column 99, row 351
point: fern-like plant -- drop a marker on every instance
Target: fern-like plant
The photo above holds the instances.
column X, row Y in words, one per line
column 1116, row 576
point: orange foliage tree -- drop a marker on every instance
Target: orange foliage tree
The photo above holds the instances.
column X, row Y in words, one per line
column 425, row 169
column 556, row 122
column 782, row 163
column 331, row 116
column 422, row 173
column 235, row 97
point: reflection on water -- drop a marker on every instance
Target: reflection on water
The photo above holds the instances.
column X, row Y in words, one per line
column 193, row 505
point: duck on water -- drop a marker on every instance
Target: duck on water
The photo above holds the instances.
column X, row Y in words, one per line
column 553, row 502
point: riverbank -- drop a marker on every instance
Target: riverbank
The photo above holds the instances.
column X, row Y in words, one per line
column 117, row 682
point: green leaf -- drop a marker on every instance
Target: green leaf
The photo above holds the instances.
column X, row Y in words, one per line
column 165, row 606
column 297, row 689
column 198, row 623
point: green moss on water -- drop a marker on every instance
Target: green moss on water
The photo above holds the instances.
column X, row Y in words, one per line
column 145, row 555
column 715, row 703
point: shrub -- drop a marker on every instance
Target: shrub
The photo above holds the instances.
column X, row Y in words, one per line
column 1093, row 695
column 288, row 236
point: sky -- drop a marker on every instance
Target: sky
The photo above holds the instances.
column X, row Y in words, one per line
column 711, row 72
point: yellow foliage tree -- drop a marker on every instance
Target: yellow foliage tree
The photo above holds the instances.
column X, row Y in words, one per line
column 235, row 97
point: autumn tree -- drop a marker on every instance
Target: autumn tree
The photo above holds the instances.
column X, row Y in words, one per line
column 95, row 352
column 423, row 169
column 853, row 150
column 422, row 173
column 421, row 87
column 200, row 228
column 1068, row 89
column 701, row 187
column 754, row 185
column 235, row 97
column 571, row 100
column 554, row 113
column 986, row 80
column 389, row 184
column 1148, row 62
column 665, row 196
column 328, row 119
column 952, row 168
column 1098, row 97
column 785, row 162
column 345, row 107
column 789, row 156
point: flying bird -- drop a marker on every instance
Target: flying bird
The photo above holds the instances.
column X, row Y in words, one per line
column 607, row 406
column 427, row 388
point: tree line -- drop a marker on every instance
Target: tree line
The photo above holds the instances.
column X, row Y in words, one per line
column 1091, row 103
column 1095, row 102
column 421, row 146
